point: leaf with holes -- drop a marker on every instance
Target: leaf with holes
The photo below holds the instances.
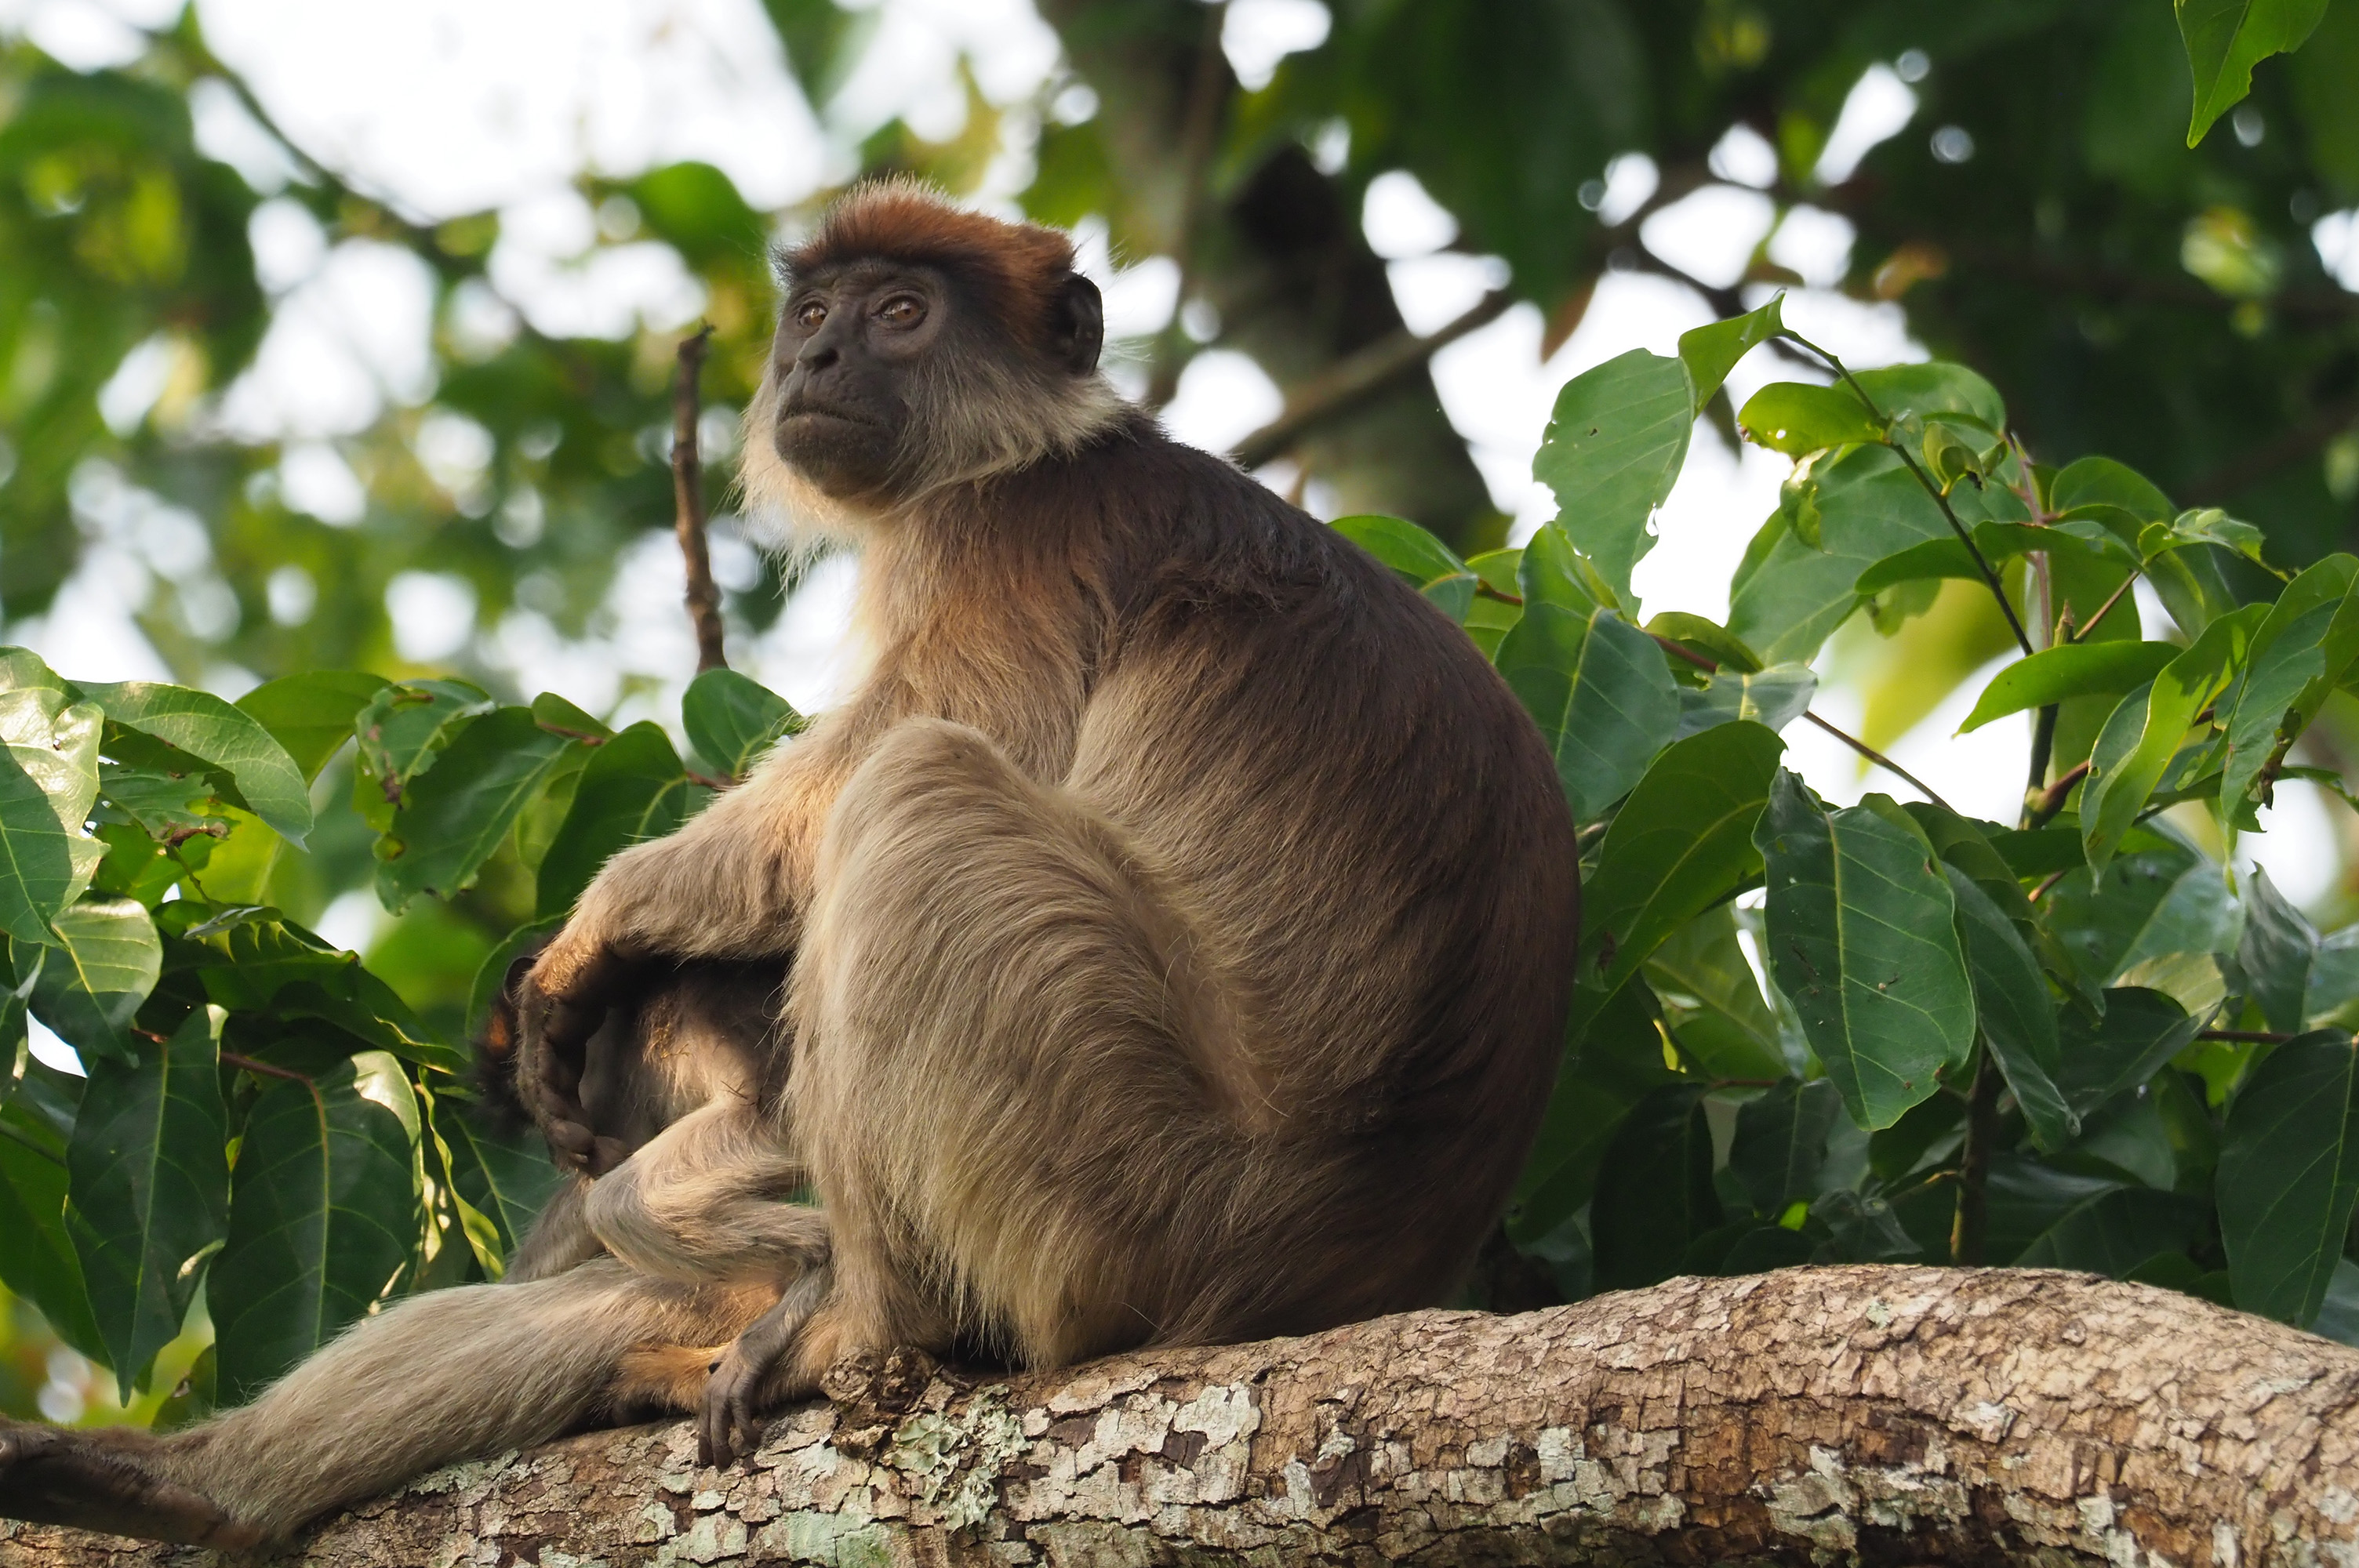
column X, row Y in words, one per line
column 1614, row 448
column 1862, row 940
column 245, row 762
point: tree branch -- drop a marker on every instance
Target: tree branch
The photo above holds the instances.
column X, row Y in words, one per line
column 1351, row 382
column 688, row 504
column 1863, row 1414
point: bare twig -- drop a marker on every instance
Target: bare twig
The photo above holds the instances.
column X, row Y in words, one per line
column 1990, row 574
column 1351, row 382
column 1970, row 1226
column 688, row 504
column 2049, row 801
column 1881, row 761
column 248, row 1063
column 2247, row 1036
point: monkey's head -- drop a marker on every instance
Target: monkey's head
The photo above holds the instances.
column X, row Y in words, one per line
column 920, row 346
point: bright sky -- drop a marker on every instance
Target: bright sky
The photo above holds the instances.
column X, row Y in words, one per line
column 450, row 106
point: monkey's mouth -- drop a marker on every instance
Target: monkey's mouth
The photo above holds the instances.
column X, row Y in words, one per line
column 794, row 412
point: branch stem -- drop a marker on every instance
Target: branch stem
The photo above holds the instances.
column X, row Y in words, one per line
column 1349, row 382
column 1969, row 1231
column 1881, row 761
column 688, row 504
column 1949, row 514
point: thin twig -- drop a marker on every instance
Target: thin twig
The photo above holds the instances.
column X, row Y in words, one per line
column 2047, row 882
column 1351, row 382
column 2081, row 633
column 1881, row 761
column 248, row 1063
column 2247, row 1036
column 2051, row 800
column 1982, row 563
column 2043, row 749
column 1970, row 1226
column 688, row 504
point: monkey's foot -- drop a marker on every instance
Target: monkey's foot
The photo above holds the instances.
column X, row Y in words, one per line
column 52, row 1476
column 761, row 1370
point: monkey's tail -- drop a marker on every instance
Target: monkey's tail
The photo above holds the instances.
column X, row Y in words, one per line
column 452, row 1375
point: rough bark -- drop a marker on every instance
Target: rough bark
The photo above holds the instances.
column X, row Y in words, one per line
column 1871, row 1414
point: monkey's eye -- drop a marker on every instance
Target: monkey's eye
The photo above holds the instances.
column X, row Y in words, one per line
column 902, row 310
column 808, row 315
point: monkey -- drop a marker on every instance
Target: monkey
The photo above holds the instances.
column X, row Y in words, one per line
column 1173, row 934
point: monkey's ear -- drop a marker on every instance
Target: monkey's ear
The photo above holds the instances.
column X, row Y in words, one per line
column 1077, row 325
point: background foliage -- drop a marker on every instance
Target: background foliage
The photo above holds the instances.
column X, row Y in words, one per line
column 2122, row 294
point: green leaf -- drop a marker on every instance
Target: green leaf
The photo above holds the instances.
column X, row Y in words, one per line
column 311, row 714
column 1712, row 1005
column 102, row 963
column 2147, row 905
column 150, row 1185
column 732, row 720
column 1612, row 1061
column 1654, row 1189
column 2279, row 948
column 1797, row 418
column 38, row 1265
column 405, row 728
column 1781, row 1143
column 160, row 803
column 2225, row 38
column 1551, row 571
column 252, row 960
column 2069, row 670
column 2288, row 1175
column 1712, row 640
column 1788, row 596
column 2206, row 525
column 1773, row 698
column 506, row 1177
column 1862, row 940
column 570, row 720
column 323, row 1220
column 455, row 815
column 2302, row 649
column 1709, row 353
column 246, row 763
column 48, row 781
column 1613, row 450
column 2140, row 1032
column 2113, row 1233
column 1682, row 842
column 2013, row 1007
column 632, row 789
column 1599, row 690
column 2137, row 744
column 1932, row 388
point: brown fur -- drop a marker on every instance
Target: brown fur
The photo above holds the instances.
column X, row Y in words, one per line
column 1178, row 926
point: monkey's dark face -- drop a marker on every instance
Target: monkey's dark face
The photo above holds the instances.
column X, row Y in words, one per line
column 850, row 347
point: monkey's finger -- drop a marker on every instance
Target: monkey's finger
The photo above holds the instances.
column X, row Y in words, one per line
column 571, row 1142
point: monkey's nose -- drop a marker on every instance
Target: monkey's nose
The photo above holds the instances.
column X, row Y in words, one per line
column 817, row 357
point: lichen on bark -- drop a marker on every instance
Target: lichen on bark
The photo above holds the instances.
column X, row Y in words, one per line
column 1821, row 1415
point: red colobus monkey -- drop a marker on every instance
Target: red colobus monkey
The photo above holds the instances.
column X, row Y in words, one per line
column 1171, row 939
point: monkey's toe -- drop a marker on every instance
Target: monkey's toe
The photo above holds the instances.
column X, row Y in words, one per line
column 50, row 1475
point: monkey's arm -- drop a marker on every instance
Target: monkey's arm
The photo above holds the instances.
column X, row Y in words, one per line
column 732, row 883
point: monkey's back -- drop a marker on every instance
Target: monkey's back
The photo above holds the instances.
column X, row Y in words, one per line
column 1370, row 838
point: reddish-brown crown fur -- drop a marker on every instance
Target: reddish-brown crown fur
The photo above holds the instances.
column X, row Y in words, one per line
column 1017, row 267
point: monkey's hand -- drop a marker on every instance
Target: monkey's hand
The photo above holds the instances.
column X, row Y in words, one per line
column 560, row 1004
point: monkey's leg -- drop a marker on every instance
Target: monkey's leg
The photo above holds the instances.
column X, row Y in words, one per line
column 1015, row 1078
column 706, row 1201
column 446, row 1376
